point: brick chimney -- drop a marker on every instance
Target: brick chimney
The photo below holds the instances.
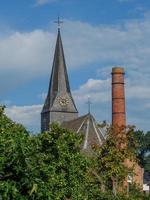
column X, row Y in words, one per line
column 119, row 118
column 118, row 97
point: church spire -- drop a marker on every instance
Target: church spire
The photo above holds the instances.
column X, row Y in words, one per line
column 59, row 77
column 58, row 22
column 59, row 105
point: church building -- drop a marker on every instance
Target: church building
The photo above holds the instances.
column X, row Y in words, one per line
column 60, row 107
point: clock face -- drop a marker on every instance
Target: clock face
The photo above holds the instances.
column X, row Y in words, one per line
column 63, row 101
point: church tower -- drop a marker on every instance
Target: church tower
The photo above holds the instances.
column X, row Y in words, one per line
column 59, row 105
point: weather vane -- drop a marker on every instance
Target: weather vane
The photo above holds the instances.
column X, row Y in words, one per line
column 58, row 22
column 89, row 104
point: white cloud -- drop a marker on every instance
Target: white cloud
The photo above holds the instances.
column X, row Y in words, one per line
column 138, row 92
column 24, row 50
column 125, row 0
column 28, row 55
column 99, row 91
column 43, row 2
column 29, row 116
column 42, row 96
column 100, row 96
column 24, row 56
column 147, row 106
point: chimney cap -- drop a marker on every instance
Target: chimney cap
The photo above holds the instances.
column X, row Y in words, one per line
column 119, row 70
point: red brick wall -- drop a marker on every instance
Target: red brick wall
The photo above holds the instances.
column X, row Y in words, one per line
column 138, row 173
column 118, row 97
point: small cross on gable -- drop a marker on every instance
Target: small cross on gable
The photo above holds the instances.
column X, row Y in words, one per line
column 89, row 105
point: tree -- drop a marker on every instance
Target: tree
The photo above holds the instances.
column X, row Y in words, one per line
column 110, row 157
column 51, row 166
column 62, row 150
column 143, row 149
column 13, row 148
column 43, row 166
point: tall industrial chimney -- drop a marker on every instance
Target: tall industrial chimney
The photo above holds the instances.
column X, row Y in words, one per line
column 118, row 97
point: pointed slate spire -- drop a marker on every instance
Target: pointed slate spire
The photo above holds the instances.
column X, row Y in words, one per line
column 59, row 78
column 59, row 105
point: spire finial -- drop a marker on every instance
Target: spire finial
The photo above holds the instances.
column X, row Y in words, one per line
column 58, row 22
column 89, row 104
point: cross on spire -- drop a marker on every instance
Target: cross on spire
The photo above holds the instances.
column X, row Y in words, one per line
column 89, row 104
column 58, row 22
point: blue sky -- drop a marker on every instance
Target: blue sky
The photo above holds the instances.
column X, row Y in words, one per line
column 97, row 35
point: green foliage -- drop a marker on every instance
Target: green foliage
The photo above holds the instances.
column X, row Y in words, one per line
column 45, row 166
column 143, row 150
column 134, row 194
column 50, row 166
column 67, row 166
column 110, row 167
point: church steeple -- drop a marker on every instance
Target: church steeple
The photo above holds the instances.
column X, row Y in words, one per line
column 59, row 105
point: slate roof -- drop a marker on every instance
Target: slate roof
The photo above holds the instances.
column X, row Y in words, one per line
column 147, row 178
column 88, row 127
column 59, row 82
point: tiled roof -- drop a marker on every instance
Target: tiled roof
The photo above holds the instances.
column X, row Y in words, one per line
column 88, row 127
